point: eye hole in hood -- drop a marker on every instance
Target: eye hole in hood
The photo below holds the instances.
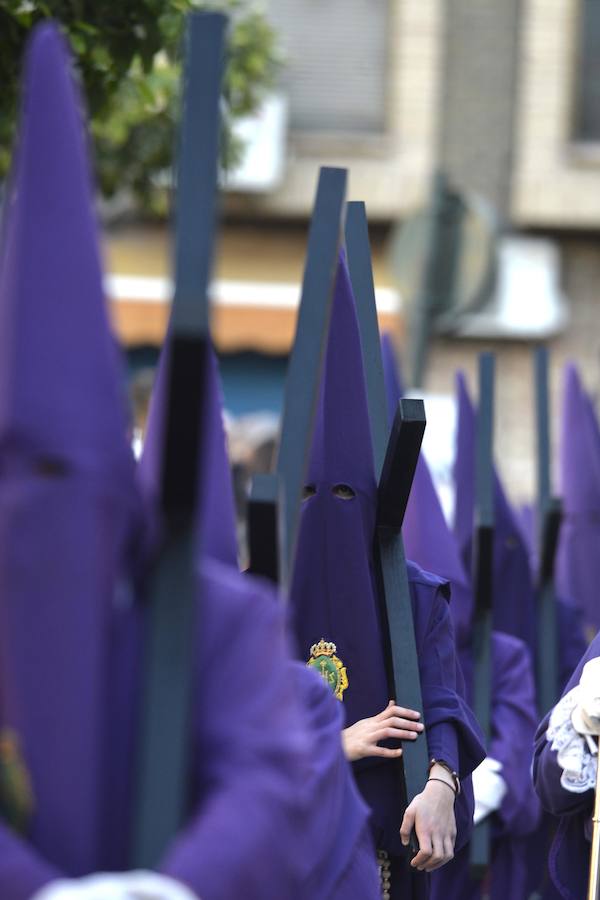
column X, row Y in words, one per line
column 308, row 491
column 51, row 468
column 343, row 491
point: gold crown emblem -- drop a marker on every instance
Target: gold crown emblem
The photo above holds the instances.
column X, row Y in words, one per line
column 324, row 660
column 323, row 648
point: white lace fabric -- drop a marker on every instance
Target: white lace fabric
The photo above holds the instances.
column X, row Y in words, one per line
column 574, row 752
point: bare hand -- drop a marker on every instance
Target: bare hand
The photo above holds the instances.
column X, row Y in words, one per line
column 361, row 739
column 431, row 814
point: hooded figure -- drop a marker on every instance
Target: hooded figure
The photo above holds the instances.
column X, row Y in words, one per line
column 68, row 504
column 577, row 563
column 564, row 774
column 336, row 606
column 70, row 633
column 514, row 599
column 502, row 783
column 514, row 596
column 333, row 851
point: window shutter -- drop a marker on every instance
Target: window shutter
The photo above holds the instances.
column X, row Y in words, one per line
column 336, row 60
column 587, row 97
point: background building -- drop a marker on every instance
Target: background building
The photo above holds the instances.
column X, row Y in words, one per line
column 504, row 97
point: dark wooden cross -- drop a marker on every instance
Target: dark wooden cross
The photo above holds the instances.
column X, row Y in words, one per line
column 395, row 460
column 275, row 500
column 263, row 527
column 483, row 558
column 549, row 518
column 164, row 738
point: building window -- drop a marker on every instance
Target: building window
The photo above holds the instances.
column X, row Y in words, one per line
column 336, row 63
column 586, row 123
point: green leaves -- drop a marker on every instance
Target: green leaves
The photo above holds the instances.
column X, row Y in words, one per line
column 127, row 54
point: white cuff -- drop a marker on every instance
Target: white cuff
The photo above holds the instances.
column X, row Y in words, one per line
column 138, row 885
column 489, row 788
column 573, row 753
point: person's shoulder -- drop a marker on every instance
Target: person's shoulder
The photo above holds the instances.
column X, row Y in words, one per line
column 421, row 578
column 233, row 602
column 233, row 587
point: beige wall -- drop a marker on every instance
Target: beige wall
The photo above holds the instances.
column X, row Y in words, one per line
column 555, row 182
column 389, row 172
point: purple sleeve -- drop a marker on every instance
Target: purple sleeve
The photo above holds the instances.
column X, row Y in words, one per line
column 251, row 752
column 22, row 870
column 513, row 729
column 453, row 734
column 546, row 771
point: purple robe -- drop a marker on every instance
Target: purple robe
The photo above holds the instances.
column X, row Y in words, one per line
column 578, row 568
column 569, row 856
column 332, row 843
column 334, row 596
column 513, row 714
column 338, row 819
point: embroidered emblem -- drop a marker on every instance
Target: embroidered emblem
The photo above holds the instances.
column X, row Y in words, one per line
column 323, row 658
column 16, row 795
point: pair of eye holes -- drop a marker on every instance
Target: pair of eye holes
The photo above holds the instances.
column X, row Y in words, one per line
column 343, row 491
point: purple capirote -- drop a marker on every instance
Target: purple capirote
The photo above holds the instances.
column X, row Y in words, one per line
column 334, row 594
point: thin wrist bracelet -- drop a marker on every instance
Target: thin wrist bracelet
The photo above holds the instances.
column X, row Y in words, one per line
column 444, row 765
column 441, row 781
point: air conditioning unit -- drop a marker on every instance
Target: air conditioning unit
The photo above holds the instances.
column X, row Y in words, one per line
column 527, row 302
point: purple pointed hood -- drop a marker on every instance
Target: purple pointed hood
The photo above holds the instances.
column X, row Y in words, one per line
column 54, row 334
column 333, row 595
column 427, row 538
column 513, row 590
column 430, row 543
column 579, row 451
column 67, row 498
column 394, row 387
column 464, row 470
column 217, row 528
column 578, row 561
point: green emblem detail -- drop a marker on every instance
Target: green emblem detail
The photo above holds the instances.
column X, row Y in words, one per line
column 16, row 795
column 323, row 658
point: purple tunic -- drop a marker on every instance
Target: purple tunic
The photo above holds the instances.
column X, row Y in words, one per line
column 569, row 856
column 337, row 818
column 262, row 771
column 334, row 596
column 513, row 715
